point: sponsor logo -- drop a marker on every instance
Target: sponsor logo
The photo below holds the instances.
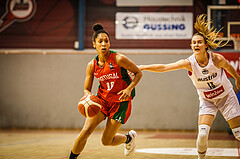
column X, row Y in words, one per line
column 119, row 120
column 164, row 27
column 205, row 72
column 208, row 77
column 17, row 11
column 164, row 23
column 110, row 66
column 214, row 93
column 130, row 22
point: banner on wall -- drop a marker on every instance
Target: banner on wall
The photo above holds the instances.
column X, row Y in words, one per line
column 157, row 3
column 38, row 23
column 234, row 59
column 135, row 25
column 17, row 11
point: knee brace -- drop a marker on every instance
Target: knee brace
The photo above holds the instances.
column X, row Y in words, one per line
column 236, row 133
column 202, row 139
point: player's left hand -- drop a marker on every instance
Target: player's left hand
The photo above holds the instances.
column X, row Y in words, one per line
column 126, row 93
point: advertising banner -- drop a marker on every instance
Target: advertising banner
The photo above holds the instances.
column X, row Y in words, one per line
column 172, row 25
column 234, row 59
column 157, row 3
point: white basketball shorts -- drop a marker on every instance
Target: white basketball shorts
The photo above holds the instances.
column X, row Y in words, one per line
column 228, row 106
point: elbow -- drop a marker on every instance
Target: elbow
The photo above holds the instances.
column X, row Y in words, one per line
column 140, row 74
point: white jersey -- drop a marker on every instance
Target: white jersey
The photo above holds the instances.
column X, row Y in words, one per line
column 210, row 81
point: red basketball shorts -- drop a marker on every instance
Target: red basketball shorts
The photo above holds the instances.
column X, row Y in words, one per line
column 119, row 111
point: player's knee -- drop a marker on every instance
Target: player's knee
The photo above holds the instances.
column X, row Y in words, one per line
column 236, row 133
column 202, row 137
column 203, row 132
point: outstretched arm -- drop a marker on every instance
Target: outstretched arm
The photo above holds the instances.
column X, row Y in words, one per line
column 181, row 64
column 221, row 62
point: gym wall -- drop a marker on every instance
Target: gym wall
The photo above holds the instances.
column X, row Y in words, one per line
column 42, row 91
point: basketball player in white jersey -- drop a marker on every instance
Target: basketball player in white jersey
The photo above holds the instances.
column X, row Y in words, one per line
column 206, row 70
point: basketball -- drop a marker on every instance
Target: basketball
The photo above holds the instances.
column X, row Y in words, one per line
column 89, row 106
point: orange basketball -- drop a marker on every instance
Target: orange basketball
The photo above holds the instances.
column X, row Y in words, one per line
column 89, row 106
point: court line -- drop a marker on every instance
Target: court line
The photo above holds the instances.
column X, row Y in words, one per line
column 227, row 152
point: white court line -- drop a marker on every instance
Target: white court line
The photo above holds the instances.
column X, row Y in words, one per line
column 232, row 152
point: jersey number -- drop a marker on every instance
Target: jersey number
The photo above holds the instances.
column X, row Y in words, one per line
column 211, row 85
column 110, row 85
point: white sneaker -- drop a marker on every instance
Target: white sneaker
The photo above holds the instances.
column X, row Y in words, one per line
column 130, row 147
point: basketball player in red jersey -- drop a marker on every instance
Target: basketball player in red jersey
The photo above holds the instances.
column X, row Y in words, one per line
column 116, row 90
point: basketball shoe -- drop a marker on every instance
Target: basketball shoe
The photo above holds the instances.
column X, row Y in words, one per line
column 130, row 147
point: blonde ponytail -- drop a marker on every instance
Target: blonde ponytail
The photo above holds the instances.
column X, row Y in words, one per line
column 209, row 35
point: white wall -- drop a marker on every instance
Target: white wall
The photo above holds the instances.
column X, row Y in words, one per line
column 42, row 91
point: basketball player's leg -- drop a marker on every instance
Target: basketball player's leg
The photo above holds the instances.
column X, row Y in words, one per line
column 110, row 136
column 231, row 112
column 235, row 126
column 118, row 115
column 207, row 113
column 204, row 124
column 88, row 128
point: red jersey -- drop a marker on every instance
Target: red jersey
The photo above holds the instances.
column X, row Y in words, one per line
column 112, row 79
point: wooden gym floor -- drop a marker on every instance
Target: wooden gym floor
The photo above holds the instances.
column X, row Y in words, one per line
column 56, row 144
